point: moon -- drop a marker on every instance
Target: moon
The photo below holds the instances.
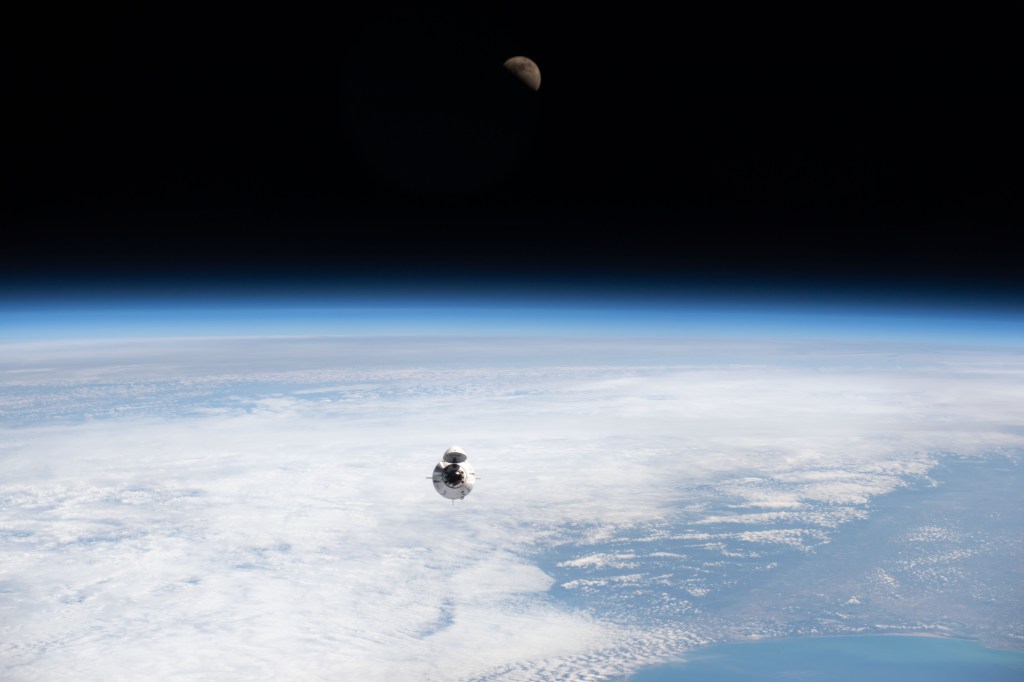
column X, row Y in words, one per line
column 525, row 70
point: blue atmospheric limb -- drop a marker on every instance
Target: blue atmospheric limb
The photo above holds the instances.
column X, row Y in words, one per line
column 625, row 313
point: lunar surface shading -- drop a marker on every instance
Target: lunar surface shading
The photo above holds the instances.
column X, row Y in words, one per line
column 525, row 70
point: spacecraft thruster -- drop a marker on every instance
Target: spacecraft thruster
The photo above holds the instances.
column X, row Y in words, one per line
column 453, row 475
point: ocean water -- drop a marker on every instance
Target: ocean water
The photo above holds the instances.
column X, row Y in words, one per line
column 867, row 658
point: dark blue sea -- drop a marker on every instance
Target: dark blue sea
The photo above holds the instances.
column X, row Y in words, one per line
column 868, row 658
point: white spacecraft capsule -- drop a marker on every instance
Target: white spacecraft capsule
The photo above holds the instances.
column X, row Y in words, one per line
column 453, row 475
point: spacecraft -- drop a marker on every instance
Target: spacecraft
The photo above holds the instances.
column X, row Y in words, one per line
column 453, row 476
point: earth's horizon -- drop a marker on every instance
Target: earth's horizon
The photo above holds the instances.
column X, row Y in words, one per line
column 218, row 491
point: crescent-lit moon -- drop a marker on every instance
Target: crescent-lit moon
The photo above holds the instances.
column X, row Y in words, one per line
column 525, row 70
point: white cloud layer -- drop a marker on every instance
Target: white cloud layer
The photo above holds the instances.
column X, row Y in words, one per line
column 259, row 510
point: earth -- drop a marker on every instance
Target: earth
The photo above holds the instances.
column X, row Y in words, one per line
column 240, row 493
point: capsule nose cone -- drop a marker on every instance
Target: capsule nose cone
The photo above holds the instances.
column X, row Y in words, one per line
column 454, row 454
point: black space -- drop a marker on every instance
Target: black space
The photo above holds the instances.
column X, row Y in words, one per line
column 810, row 142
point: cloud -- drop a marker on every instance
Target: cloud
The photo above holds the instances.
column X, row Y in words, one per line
column 259, row 508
